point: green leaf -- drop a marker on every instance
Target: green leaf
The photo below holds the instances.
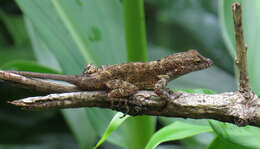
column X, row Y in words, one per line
column 198, row 90
column 79, row 122
column 13, row 30
column 114, row 124
column 74, row 35
column 11, row 53
column 219, row 143
column 75, row 40
column 27, row 66
column 16, row 27
column 247, row 136
column 41, row 50
column 199, row 141
column 175, row 131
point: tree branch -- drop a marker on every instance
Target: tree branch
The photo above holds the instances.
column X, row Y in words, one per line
column 241, row 107
column 226, row 107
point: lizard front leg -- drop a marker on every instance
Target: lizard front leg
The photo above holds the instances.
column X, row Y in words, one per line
column 120, row 88
column 161, row 90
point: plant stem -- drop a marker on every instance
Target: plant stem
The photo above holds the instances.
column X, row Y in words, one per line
column 135, row 30
column 140, row 128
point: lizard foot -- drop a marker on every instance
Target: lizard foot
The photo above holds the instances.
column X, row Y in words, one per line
column 168, row 95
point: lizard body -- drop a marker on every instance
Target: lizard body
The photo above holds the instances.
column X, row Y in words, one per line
column 127, row 78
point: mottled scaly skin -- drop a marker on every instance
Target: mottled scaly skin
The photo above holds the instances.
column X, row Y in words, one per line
column 125, row 79
column 145, row 75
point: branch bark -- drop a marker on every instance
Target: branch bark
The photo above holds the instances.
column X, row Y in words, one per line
column 226, row 107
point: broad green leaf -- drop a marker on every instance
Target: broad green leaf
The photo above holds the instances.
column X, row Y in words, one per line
column 16, row 27
column 200, row 141
column 219, row 143
column 79, row 122
column 77, row 30
column 175, row 131
column 74, row 34
column 41, row 50
column 27, row 66
column 251, row 26
column 198, row 90
column 114, row 124
column 247, row 136
column 11, row 53
column 18, row 46
column 168, row 121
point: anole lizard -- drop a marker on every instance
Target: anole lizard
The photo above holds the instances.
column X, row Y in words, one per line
column 125, row 79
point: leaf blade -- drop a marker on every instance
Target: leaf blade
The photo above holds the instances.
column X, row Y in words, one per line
column 247, row 136
column 114, row 124
column 175, row 131
column 74, row 40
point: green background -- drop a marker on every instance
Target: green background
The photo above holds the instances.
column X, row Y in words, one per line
column 64, row 36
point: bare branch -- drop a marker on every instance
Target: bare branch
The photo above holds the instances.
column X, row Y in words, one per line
column 226, row 107
column 241, row 51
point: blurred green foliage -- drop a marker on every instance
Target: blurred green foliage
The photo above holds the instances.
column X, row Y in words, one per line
column 63, row 36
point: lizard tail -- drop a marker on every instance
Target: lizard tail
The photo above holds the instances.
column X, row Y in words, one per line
column 67, row 78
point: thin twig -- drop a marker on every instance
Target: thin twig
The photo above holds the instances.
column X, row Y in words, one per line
column 241, row 51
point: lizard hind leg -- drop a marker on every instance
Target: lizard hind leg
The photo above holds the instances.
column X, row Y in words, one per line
column 119, row 88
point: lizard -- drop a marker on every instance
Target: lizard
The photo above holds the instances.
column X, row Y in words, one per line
column 122, row 80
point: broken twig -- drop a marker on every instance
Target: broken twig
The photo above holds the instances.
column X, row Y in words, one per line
column 241, row 53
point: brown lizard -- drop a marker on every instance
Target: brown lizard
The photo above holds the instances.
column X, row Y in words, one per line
column 125, row 79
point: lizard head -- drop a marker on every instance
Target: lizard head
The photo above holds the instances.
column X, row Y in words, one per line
column 185, row 62
column 193, row 61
